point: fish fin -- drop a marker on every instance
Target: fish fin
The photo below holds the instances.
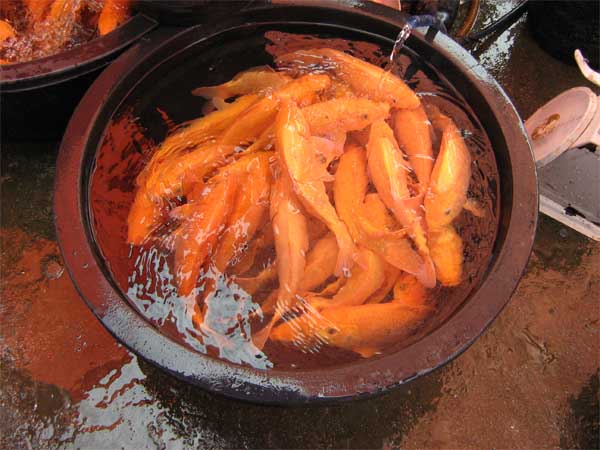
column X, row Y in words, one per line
column 366, row 352
column 260, row 339
column 427, row 275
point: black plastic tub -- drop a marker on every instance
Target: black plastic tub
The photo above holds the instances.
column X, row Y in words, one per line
column 132, row 83
column 39, row 96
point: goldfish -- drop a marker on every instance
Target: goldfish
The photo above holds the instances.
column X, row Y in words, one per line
column 291, row 239
column 358, row 287
column 350, row 187
column 251, row 81
column 320, row 264
column 201, row 231
column 364, row 78
column 389, row 173
column 195, row 133
column 171, row 179
column 363, row 329
column 307, row 174
column 447, row 192
column 413, row 131
column 258, row 117
column 344, row 115
column 248, row 211
column 408, row 291
column 391, row 275
column 114, row 13
column 291, row 244
column 6, row 30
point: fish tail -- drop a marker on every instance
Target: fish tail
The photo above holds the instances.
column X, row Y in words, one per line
column 427, row 275
column 347, row 255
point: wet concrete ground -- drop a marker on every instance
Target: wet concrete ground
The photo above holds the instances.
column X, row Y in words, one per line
column 530, row 381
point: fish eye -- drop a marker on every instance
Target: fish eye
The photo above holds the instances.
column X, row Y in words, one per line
column 331, row 331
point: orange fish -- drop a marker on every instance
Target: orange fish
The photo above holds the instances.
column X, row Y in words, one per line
column 350, row 187
column 447, row 193
column 391, row 274
column 320, row 263
column 291, row 239
column 173, row 178
column 344, row 115
column 200, row 232
column 409, row 292
column 6, row 31
column 248, row 211
column 251, row 81
column 364, row 329
column 389, row 173
column 358, row 287
column 446, row 248
column 195, row 133
column 253, row 122
column 114, row 13
column 413, row 131
column 291, row 245
column 307, row 173
column 364, row 78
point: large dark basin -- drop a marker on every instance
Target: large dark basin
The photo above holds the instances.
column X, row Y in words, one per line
column 119, row 89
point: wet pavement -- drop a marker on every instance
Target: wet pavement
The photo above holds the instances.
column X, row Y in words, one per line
column 530, row 381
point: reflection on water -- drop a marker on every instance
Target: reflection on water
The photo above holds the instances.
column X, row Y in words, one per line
column 120, row 412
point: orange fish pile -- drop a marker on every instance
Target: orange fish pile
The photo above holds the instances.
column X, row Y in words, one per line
column 31, row 29
column 329, row 161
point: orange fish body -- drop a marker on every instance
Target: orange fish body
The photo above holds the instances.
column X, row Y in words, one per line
column 350, row 187
column 200, row 232
column 196, row 133
column 344, row 114
column 364, row 329
column 358, row 287
column 409, row 292
column 258, row 118
column 292, row 144
column 320, row 263
column 248, row 211
column 447, row 193
column 6, row 31
column 114, row 13
column 447, row 253
column 249, row 82
column 413, row 133
column 389, row 172
column 291, row 239
column 173, row 178
column 364, row 78
column 391, row 275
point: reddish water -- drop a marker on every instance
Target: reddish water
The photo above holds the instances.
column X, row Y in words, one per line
column 145, row 276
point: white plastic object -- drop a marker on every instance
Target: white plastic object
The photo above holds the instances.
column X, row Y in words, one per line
column 571, row 119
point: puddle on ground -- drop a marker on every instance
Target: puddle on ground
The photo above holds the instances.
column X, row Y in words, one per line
column 66, row 383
